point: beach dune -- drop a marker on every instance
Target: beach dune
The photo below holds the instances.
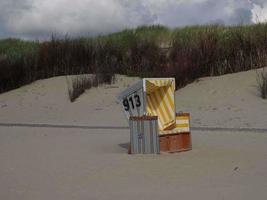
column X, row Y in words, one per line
column 90, row 163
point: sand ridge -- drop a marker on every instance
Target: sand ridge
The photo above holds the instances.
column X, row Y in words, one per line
column 230, row 101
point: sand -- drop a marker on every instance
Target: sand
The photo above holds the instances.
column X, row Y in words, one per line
column 61, row 163
column 228, row 101
column 47, row 101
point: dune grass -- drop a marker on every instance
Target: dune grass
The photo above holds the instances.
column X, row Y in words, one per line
column 79, row 83
column 262, row 84
column 155, row 51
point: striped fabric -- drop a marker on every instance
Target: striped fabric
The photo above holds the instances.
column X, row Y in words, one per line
column 160, row 101
column 183, row 122
column 182, row 125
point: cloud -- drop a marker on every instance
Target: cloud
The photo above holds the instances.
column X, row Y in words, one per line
column 204, row 12
column 39, row 18
column 259, row 11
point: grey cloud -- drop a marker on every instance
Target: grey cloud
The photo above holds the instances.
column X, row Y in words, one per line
column 209, row 11
column 75, row 17
column 242, row 16
column 11, row 7
column 39, row 18
column 258, row 2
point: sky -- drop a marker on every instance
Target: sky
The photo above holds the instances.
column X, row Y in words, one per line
column 36, row 19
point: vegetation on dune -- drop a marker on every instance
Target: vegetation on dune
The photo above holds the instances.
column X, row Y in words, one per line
column 78, row 84
column 262, row 84
column 155, row 51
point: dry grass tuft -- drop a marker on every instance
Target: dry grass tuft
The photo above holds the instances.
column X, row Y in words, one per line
column 78, row 84
column 262, row 84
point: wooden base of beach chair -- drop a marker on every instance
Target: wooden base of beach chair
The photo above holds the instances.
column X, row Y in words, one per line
column 173, row 143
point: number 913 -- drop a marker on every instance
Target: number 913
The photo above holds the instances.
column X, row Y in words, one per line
column 132, row 102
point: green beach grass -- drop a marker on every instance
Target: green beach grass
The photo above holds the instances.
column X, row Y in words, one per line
column 152, row 51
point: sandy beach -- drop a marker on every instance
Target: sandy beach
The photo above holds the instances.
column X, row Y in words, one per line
column 87, row 163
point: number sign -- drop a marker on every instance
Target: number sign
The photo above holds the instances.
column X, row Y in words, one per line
column 132, row 102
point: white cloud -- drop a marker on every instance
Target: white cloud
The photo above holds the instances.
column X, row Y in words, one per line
column 259, row 13
column 34, row 18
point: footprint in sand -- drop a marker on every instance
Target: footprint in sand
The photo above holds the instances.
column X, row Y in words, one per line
column 4, row 105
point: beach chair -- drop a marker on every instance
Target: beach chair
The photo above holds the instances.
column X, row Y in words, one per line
column 155, row 97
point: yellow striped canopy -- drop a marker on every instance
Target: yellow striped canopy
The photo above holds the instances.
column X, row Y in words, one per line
column 160, row 101
column 182, row 125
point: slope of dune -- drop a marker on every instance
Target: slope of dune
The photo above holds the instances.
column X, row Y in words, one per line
column 46, row 101
column 231, row 100
column 226, row 101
